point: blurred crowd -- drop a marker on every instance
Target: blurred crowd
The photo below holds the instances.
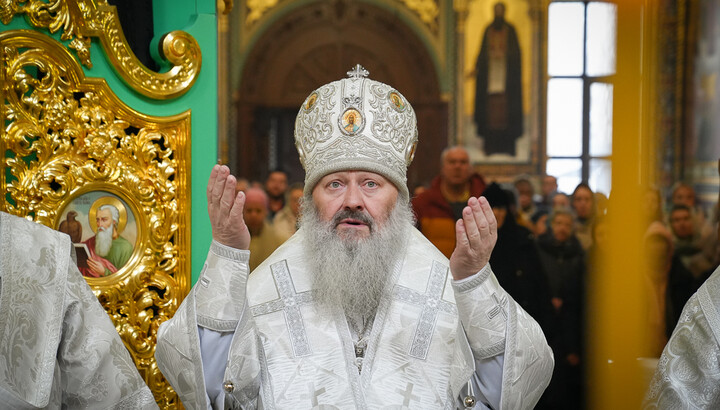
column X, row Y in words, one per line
column 548, row 243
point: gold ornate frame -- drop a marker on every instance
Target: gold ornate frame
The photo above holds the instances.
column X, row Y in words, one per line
column 66, row 135
column 80, row 20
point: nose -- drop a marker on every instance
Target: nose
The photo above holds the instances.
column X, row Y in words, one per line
column 353, row 198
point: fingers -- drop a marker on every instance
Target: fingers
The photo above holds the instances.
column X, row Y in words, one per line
column 228, row 192
column 218, row 185
column 479, row 222
column 461, row 239
column 469, row 221
column 236, row 213
column 211, row 182
column 220, row 191
column 484, row 217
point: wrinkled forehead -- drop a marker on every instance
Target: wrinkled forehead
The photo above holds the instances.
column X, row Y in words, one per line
column 104, row 213
column 456, row 154
column 359, row 177
column 680, row 214
column 358, row 174
column 683, row 191
column 563, row 218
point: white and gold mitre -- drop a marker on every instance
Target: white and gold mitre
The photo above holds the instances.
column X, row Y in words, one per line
column 356, row 124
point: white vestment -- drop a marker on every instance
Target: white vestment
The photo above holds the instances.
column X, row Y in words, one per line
column 288, row 352
column 58, row 347
column 688, row 373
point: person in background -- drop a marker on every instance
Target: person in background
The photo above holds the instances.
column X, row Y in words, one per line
column 598, row 252
column 670, row 284
column 539, row 222
column 559, row 200
column 653, row 206
column 563, row 261
column 548, row 189
column 687, row 373
column 419, row 189
column 601, row 203
column 525, row 201
column 515, row 259
column 441, row 205
column 59, row 348
column 583, row 204
column 264, row 237
column 684, row 194
column 276, row 185
column 286, row 221
column 697, row 253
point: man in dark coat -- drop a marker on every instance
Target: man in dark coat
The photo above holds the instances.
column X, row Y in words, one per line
column 563, row 260
column 498, row 93
column 515, row 258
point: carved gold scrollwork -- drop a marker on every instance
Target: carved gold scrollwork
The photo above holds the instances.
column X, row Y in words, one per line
column 257, row 8
column 427, row 10
column 81, row 19
column 67, row 137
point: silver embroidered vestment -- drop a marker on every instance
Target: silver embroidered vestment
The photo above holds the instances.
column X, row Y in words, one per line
column 58, row 347
column 288, row 352
column 688, row 373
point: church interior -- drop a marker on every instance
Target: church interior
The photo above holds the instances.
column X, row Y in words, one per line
column 131, row 103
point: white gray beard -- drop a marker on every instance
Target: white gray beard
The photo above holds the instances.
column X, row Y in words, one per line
column 349, row 272
column 103, row 241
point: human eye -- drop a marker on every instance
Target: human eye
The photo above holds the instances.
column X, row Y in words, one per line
column 334, row 184
column 371, row 184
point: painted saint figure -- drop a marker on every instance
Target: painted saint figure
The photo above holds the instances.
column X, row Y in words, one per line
column 350, row 126
column 498, row 94
column 108, row 250
column 72, row 227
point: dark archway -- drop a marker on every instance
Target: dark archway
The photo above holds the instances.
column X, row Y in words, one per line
column 317, row 44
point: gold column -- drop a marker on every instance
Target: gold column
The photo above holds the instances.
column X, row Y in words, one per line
column 616, row 294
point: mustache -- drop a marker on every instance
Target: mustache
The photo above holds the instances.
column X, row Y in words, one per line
column 353, row 214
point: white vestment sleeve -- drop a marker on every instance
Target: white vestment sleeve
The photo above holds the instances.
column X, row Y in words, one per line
column 688, row 372
column 513, row 360
column 96, row 368
column 59, row 348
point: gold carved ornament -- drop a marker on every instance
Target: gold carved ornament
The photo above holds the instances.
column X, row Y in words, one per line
column 67, row 137
column 257, row 8
column 81, row 19
column 427, row 10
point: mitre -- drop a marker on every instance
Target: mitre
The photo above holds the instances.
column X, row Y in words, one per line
column 356, row 124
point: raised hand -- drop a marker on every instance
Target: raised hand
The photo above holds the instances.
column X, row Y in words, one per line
column 475, row 237
column 226, row 209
